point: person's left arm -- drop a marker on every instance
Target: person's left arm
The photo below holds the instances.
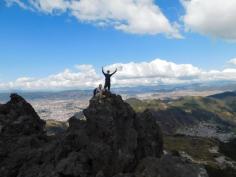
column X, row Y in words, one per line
column 114, row 72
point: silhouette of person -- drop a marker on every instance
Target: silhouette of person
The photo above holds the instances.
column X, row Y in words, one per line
column 108, row 78
column 98, row 91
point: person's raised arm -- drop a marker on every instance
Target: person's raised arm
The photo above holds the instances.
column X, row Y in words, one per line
column 114, row 72
column 103, row 71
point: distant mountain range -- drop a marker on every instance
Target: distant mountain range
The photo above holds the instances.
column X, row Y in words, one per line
column 128, row 91
column 50, row 95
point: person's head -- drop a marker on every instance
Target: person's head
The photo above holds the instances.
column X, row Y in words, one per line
column 100, row 86
column 108, row 71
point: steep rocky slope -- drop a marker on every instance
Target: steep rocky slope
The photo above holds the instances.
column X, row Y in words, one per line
column 112, row 141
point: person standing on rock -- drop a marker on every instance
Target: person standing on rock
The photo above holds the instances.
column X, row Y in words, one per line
column 108, row 78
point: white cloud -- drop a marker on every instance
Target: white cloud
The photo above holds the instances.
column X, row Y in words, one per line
column 232, row 61
column 216, row 18
column 50, row 6
column 228, row 74
column 132, row 16
column 155, row 68
column 154, row 72
column 84, row 77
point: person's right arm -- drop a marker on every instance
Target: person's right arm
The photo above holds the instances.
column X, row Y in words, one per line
column 103, row 71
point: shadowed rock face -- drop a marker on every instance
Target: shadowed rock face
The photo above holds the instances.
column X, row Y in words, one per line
column 112, row 141
column 18, row 117
column 22, row 132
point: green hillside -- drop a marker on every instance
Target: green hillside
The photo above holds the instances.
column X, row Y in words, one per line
column 216, row 106
column 193, row 106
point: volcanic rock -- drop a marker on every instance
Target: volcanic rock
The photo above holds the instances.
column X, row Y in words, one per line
column 112, row 141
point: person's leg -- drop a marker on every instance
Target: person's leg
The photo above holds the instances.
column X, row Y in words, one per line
column 109, row 86
column 106, row 85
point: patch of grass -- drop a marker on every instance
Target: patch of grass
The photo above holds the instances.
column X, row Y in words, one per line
column 197, row 148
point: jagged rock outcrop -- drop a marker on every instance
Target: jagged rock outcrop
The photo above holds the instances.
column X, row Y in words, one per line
column 18, row 117
column 115, row 139
column 112, row 141
column 21, row 132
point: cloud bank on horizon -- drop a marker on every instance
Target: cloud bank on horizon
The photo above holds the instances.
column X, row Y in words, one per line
column 215, row 18
column 131, row 74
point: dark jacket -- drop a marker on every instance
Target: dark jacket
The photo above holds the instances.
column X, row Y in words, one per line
column 108, row 76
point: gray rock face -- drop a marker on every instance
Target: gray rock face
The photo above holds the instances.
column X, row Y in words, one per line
column 111, row 141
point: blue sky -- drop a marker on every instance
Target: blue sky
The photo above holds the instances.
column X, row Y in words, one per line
column 38, row 44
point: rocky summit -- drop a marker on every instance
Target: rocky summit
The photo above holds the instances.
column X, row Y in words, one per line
column 111, row 141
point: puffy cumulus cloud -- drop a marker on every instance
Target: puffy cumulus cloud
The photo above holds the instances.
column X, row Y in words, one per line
column 132, row 16
column 228, row 74
column 156, row 68
column 130, row 74
column 83, row 77
column 216, row 18
column 232, row 62
column 164, row 72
